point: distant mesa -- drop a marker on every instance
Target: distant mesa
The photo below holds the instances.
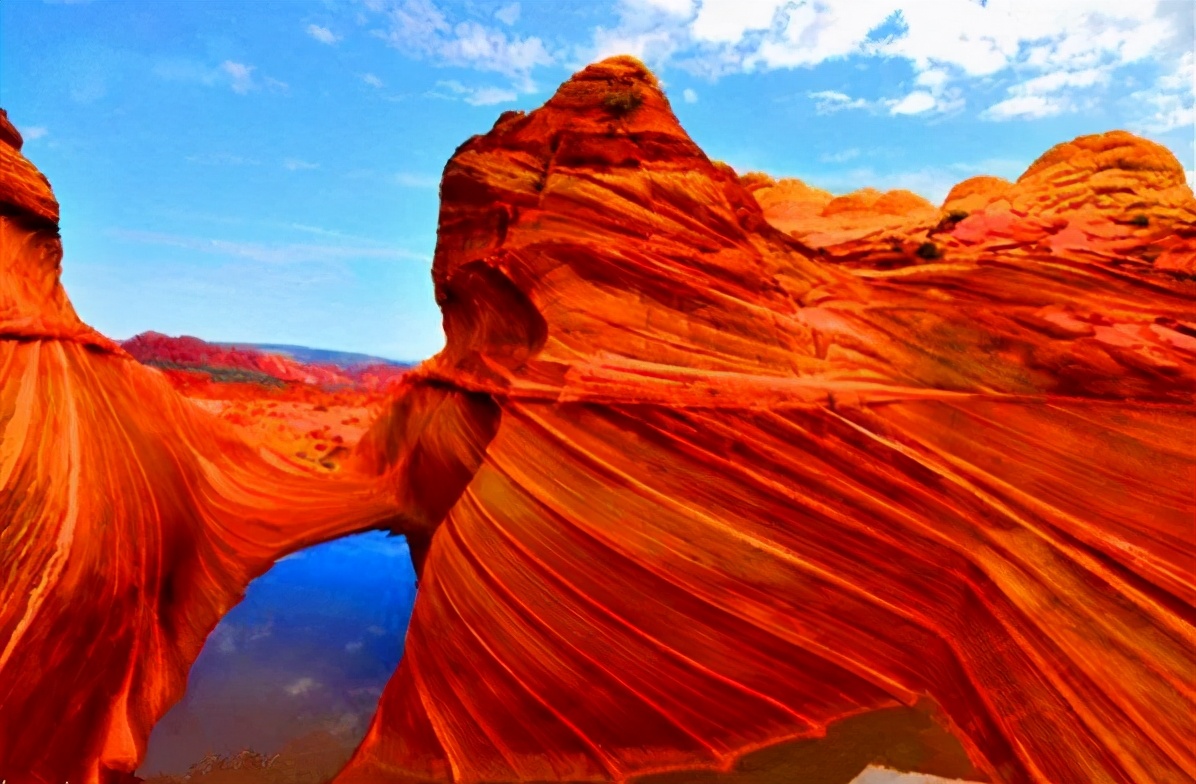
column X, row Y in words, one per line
column 265, row 364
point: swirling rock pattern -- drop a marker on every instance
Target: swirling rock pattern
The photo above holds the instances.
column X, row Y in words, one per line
column 130, row 520
column 711, row 493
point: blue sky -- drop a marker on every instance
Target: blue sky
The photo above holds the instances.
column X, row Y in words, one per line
column 267, row 171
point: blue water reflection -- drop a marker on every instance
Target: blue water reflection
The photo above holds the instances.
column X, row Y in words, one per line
column 304, row 656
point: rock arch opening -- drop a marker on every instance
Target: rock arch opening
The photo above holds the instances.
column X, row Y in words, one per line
column 291, row 676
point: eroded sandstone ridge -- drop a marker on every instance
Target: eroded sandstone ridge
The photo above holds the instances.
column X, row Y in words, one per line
column 130, row 520
column 1112, row 197
column 682, row 488
column 711, row 492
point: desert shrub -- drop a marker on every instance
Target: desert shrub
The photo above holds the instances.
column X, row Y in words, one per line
column 1140, row 220
column 622, row 102
column 928, row 250
column 955, row 216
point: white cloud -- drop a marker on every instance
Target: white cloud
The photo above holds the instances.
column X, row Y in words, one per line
column 1041, row 48
column 1171, row 102
column 476, row 96
column 831, row 101
column 295, row 164
column 1047, row 95
column 322, row 34
column 301, row 686
column 914, row 103
column 813, row 33
column 508, row 14
column 222, row 159
column 932, row 78
column 34, row 132
column 372, row 80
column 1024, row 106
column 354, row 647
column 680, row 8
column 652, row 46
column 689, row 95
column 840, row 157
column 419, row 29
column 726, row 21
column 240, row 76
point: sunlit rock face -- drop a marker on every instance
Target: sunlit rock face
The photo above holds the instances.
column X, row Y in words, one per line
column 709, row 493
column 976, row 193
column 1112, row 197
column 130, row 520
column 842, row 228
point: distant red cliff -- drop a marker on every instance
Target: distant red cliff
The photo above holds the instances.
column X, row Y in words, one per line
column 190, row 353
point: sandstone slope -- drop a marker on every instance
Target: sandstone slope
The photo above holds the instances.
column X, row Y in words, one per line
column 689, row 490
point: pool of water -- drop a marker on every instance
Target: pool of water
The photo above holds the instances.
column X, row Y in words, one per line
column 302, row 660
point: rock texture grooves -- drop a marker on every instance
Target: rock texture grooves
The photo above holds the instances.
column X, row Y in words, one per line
column 130, row 520
column 709, row 493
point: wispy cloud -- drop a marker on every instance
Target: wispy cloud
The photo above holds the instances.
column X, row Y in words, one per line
column 475, row 96
column 508, row 14
column 1047, row 95
column 1024, row 107
column 241, row 78
column 240, row 75
column 34, row 132
column 831, row 101
column 372, row 80
column 409, row 180
column 840, row 157
column 689, row 95
column 222, row 159
column 322, row 34
column 1048, row 55
column 1171, row 102
column 301, row 686
column 420, row 29
column 269, row 253
column 295, row 164
column 915, row 103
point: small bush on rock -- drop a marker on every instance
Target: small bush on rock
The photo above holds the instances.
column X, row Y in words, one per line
column 622, row 102
column 928, row 250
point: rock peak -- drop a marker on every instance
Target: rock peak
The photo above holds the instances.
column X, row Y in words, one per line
column 9, row 134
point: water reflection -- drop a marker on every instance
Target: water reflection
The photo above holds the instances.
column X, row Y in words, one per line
column 300, row 663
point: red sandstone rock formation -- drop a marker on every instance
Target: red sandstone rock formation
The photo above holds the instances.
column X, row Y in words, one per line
column 678, row 488
column 976, row 193
column 190, row 353
column 1111, row 196
column 130, row 520
column 689, row 490
column 863, row 223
